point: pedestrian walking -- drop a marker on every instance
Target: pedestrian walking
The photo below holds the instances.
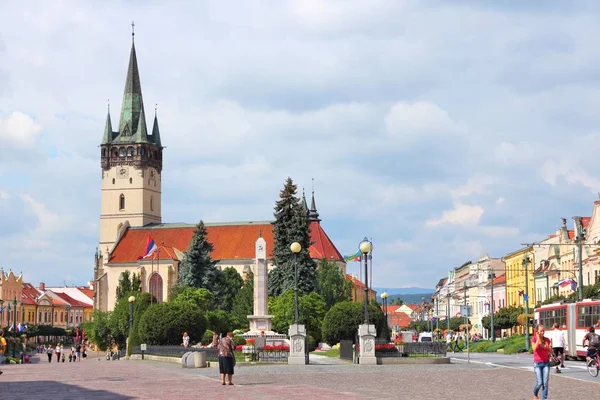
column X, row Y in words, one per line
column 57, row 351
column 541, row 362
column 2, row 347
column 49, row 353
column 226, row 358
column 558, row 345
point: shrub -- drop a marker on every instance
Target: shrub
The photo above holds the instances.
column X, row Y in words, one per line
column 219, row 321
column 342, row 320
column 312, row 343
column 164, row 323
column 207, row 337
column 239, row 341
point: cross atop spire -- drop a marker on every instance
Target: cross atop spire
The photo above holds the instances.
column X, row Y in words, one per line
column 132, row 30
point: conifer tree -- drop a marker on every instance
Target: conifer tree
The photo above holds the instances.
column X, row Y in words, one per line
column 197, row 269
column 291, row 225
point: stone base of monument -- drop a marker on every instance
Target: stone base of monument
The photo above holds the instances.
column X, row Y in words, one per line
column 298, row 353
column 366, row 335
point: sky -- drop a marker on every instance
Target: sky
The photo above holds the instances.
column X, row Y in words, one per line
column 443, row 130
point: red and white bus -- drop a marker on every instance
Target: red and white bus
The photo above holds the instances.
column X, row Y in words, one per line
column 574, row 318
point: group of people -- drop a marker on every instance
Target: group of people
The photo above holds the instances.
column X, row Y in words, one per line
column 77, row 352
column 545, row 348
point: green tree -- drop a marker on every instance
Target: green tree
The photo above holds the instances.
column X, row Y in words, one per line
column 128, row 284
column 311, row 311
column 396, row 302
column 243, row 304
column 199, row 297
column 219, row 321
column 142, row 302
column 507, row 317
column 98, row 330
column 229, row 285
column 165, row 323
column 331, row 284
column 197, row 268
column 342, row 320
column 291, row 225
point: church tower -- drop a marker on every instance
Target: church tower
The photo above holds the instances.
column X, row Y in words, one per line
column 131, row 161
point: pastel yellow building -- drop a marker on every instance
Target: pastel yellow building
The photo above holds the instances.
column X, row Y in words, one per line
column 517, row 273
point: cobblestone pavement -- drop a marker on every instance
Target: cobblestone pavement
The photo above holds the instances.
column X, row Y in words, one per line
column 101, row 379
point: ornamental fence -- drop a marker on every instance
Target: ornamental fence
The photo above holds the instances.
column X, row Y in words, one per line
column 267, row 354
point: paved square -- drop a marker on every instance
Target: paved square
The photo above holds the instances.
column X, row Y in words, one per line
column 101, row 379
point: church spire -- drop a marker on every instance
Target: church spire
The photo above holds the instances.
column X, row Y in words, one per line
column 133, row 104
column 155, row 131
column 303, row 203
column 313, row 214
column 108, row 132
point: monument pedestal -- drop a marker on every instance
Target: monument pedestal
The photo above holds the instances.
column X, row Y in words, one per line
column 260, row 323
column 298, row 354
column 366, row 335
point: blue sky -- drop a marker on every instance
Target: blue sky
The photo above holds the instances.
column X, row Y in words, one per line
column 444, row 130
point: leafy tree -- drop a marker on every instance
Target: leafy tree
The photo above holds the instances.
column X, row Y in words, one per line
column 291, row 225
column 98, row 330
column 311, row 311
column 396, row 301
column 128, row 284
column 507, row 317
column 219, row 321
column 243, row 304
column 197, row 268
column 164, row 323
column 342, row 320
column 331, row 284
column 199, row 297
column 142, row 302
column 118, row 322
column 229, row 285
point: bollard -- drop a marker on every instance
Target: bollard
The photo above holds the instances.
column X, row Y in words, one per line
column 199, row 359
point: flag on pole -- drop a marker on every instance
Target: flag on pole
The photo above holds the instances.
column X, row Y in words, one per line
column 151, row 248
column 567, row 282
column 353, row 257
column 521, row 292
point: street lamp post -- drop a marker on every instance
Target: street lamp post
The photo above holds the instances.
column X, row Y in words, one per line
column 448, row 313
column 68, row 313
column 14, row 326
column 1, row 314
column 384, row 297
column 131, row 300
column 525, row 263
column 580, row 239
column 365, row 248
column 296, row 248
column 492, row 276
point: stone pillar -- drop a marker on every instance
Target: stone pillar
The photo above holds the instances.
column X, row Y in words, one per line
column 297, row 335
column 367, row 334
column 260, row 320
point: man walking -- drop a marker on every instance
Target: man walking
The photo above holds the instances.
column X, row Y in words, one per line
column 558, row 345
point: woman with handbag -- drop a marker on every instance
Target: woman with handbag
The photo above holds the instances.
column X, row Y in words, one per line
column 226, row 358
column 541, row 362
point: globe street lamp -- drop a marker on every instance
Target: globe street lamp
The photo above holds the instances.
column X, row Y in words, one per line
column 491, row 277
column 365, row 248
column 296, row 248
column 384, row 297
column 131, row 300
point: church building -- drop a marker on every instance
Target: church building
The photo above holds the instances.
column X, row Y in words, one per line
column 131, row 163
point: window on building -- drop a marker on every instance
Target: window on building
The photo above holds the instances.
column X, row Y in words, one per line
column 113, row 181
column 130, row 152
column 122, row 152
column 122, row 202
column 151, row 203
column 130, row 180
column 156, row 287
column 62, row 317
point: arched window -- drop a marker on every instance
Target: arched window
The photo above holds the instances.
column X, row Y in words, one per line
column 103, row 152
column 129, row 151
column 151, row 203
column 156, row 287
column 122, row 152
column 130, row 180
column 143, row 151
column 113, row 181
column 122, row 202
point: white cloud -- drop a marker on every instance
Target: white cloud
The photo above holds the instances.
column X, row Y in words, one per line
column 19, row 130
column 500, row 200
column 474, row 185
column 461, row 214
column 408, row 121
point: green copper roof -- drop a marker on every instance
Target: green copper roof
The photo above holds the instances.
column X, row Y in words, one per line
column 133, row 104
column 108, row 132
column 155, row 132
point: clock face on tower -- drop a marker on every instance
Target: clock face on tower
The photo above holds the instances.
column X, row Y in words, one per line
column 122, row 172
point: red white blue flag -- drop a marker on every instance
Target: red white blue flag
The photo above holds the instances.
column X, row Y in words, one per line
column 151, row 248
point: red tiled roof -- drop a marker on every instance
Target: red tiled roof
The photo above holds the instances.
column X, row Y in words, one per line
column 571, row 233
column 29, row 294
column 87, row 291
column 585, row 221
column 400, row 319
column 70, row 300
column 354, row 281
column 500, row 279
column 412, row 306
column 553, row 235
column 230, row 241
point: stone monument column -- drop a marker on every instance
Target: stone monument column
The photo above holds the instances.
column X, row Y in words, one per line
column 260, row 320
column 366, row 354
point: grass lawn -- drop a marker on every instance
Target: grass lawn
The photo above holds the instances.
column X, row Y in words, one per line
column 328, row 353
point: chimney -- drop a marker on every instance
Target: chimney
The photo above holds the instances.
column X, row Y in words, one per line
column 42, row 286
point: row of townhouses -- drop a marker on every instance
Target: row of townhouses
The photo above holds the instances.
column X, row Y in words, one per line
column 532, row 274
column 23, row 304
